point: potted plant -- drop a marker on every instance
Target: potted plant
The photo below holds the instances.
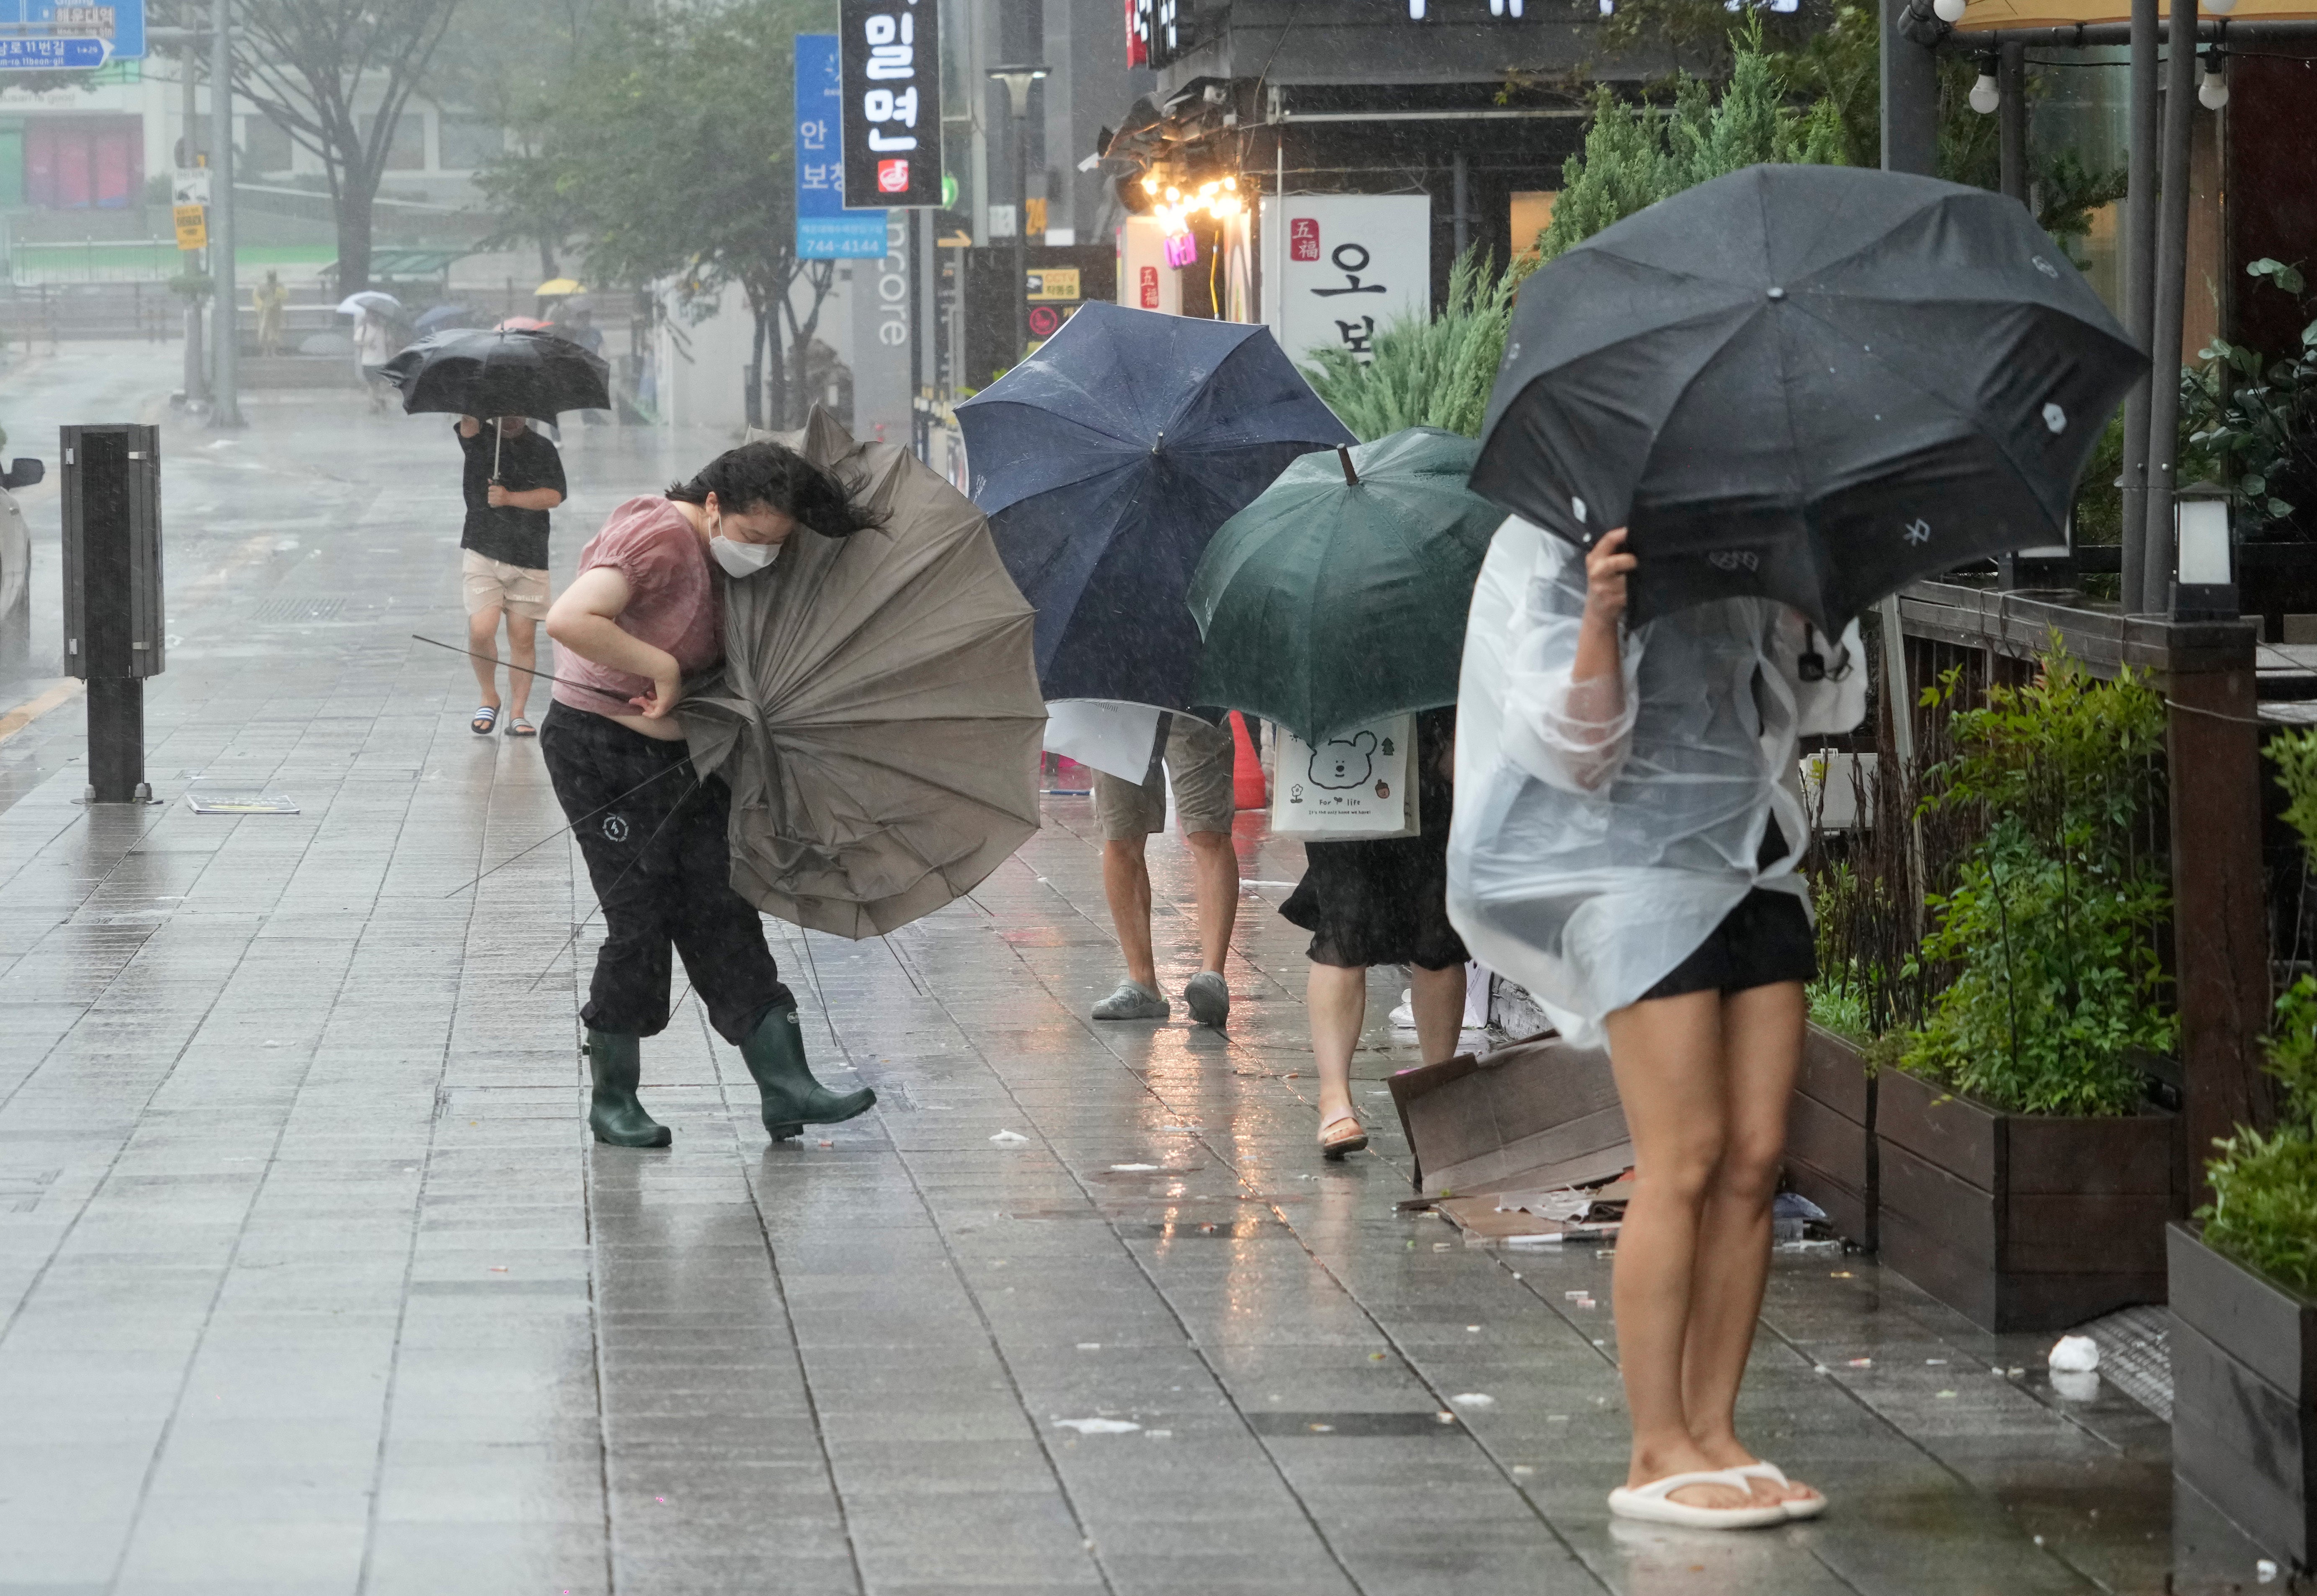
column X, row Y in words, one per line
column 2244, row 1280
column 2022, row 1177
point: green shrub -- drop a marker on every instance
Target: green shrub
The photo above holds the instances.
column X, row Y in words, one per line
column 2264, row 1206
column 2051, row 927
column 1437, row 371
column 1841, row 1008
column 1635, row 155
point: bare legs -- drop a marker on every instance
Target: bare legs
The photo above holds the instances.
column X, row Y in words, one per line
column 1214, row 865
column 1704, row 1079
column 483, row 649
column 1336, row 1000
column 523, row 649
column 1126, row 884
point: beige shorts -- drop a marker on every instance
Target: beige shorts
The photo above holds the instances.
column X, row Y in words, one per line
column 1200, row 759
column 495, row 584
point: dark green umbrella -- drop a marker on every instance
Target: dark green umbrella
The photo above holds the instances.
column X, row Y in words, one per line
column 1338, row 596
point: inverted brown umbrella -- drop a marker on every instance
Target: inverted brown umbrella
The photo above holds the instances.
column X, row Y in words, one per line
column 877, row 715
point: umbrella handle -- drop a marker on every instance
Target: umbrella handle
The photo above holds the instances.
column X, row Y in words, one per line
column 498, row 442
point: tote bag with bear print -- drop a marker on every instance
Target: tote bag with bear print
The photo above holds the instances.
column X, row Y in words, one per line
column 1357, row 785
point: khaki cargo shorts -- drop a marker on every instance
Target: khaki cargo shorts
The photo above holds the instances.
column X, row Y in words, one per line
column 495, row 584
column 1200, row 759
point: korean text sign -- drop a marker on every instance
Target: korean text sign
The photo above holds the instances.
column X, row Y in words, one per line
column 891, row 53
column 826, row 230
column 119, row 23
column 1339, row 268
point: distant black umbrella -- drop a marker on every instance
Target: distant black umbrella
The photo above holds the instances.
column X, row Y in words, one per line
column 442, row 317
column 1106, row 461
column 1815, row 384
column 469, row 371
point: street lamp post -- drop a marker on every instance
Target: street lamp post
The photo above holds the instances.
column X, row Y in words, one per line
column 196, row 366
column 224, row 325
column 1017, row 81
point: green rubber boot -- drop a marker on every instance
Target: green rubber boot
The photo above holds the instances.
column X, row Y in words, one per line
column 774, row 1054
column 616, row 1063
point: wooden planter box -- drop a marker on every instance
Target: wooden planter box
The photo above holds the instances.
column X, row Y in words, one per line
column 2021, row 1221
column 2244, row 1396
column 1830, row 1156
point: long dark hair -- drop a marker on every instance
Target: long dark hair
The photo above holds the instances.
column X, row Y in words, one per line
column 763, row 474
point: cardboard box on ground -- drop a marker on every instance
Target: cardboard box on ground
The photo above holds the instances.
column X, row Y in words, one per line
column 1533, row 1117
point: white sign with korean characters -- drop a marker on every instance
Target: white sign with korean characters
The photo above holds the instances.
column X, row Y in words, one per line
column 1337, row 269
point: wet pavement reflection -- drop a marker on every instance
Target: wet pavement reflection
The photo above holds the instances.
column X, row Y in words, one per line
column 310, row 1279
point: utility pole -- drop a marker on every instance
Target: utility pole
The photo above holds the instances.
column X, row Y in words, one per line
column 1017, row 81
column 226, row 411
column 196, row 366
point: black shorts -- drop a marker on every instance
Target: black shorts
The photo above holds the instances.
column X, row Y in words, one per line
column 1766, row 940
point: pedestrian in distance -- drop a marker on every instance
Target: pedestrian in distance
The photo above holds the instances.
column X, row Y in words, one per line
column 272, row 301
column 514, row 477
column 375, row 342
column 642, row 615
column 1382, row 901
column 1626, row 835
column 1199, row 759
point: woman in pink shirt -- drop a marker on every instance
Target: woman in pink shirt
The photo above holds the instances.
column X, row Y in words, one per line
column 641, row 616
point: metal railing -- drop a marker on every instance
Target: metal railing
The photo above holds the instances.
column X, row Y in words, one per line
column 94, row 260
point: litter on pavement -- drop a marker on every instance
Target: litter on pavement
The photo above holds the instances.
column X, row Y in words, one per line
column 2074, row 1354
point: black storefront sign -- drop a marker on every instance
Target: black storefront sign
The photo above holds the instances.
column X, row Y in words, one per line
column 890, row 51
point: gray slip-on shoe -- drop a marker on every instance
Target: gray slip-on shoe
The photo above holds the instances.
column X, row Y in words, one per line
column 1209, row 998
column 1132, row 1001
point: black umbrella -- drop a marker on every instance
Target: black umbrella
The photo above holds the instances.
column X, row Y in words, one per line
column 477, row 372
column 1106, row 461
column 1814, row 384
column 499, row 371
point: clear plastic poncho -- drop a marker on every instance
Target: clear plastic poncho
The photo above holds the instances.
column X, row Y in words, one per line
column 1593, row 851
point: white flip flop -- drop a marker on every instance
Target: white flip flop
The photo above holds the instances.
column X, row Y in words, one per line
column 1653, row 1502
column 1771, row 1472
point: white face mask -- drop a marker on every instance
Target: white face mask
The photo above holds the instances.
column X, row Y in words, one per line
column 742, row 559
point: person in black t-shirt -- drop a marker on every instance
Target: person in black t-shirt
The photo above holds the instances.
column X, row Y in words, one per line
column 514, row 478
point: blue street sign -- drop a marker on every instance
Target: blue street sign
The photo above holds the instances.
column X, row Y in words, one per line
column 50, row 55
column 120, row 25
column 826, row 230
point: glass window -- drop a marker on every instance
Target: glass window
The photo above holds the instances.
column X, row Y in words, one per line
column 1531, row 214
column 264, row 145
column 408, row 151
column 468, row 144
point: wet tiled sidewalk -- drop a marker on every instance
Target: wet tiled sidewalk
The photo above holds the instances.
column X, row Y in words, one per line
column 311, row 1280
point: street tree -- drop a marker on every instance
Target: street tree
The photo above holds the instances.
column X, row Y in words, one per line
column 667, row 156
column 509, row 64
column 336, row 76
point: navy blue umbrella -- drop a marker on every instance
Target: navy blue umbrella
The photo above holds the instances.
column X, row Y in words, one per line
column 1106, row 462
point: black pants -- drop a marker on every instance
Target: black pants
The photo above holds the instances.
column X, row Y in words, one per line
column 652, row 833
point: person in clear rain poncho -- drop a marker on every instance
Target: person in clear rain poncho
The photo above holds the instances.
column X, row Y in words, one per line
column 1627, row 824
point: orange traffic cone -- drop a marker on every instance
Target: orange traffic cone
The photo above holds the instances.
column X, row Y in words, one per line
column 1247, row 771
